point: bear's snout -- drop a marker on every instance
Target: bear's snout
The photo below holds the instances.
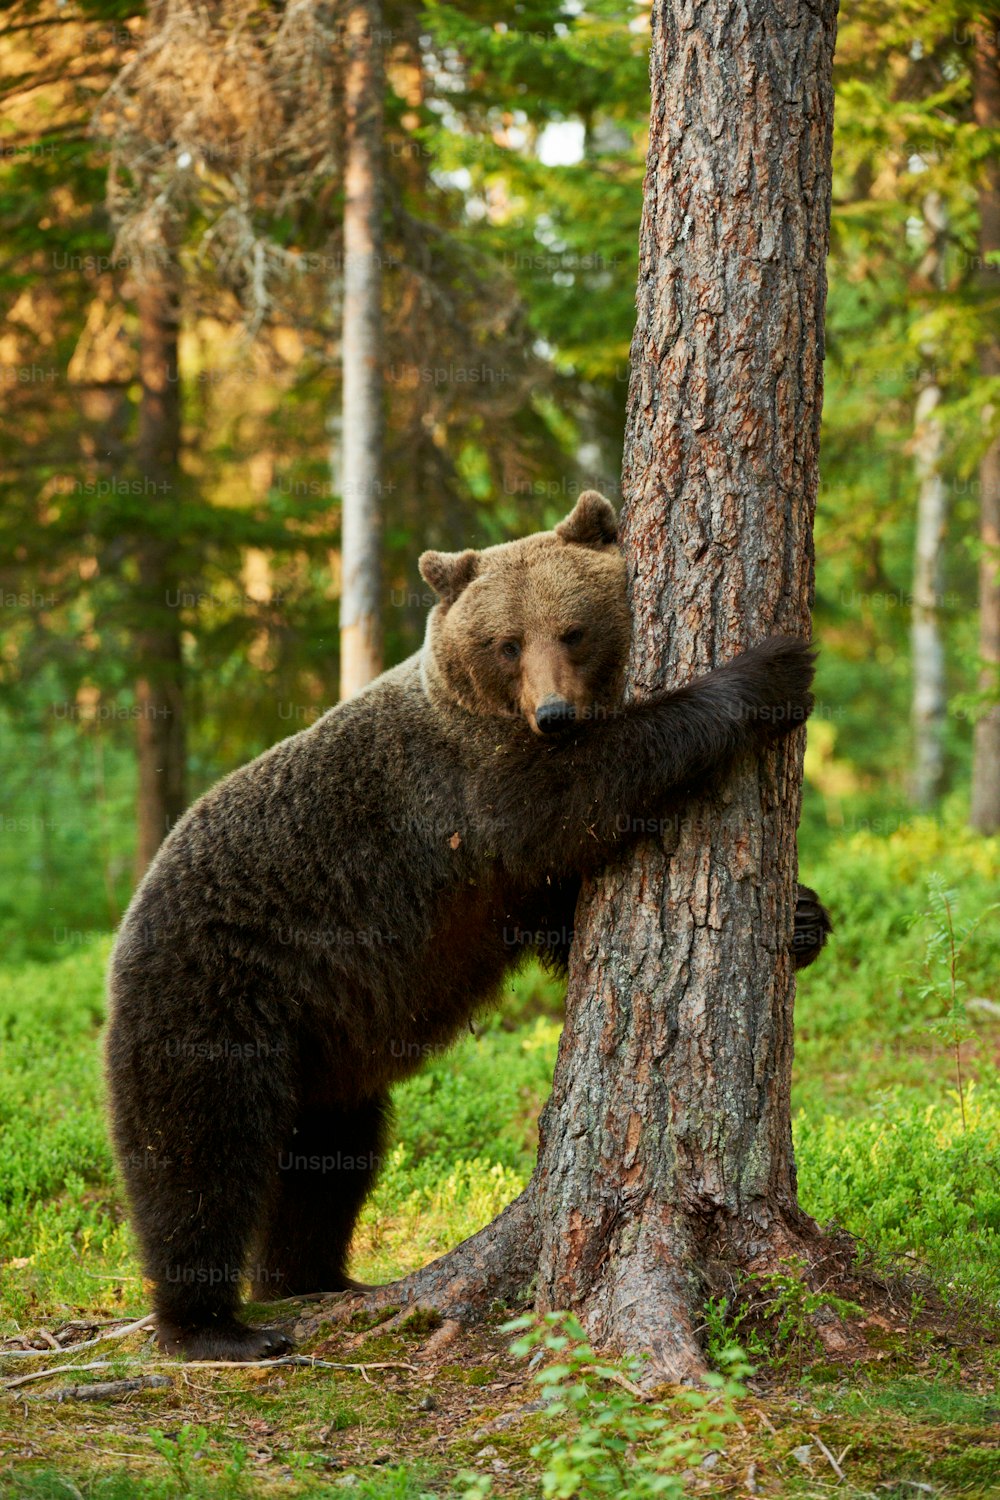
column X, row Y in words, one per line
column 554, row 714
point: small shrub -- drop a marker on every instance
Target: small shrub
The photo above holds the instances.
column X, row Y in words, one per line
column 605, row 1435
column 773, row 1317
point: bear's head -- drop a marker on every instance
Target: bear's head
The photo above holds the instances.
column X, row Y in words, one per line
column 536, row 629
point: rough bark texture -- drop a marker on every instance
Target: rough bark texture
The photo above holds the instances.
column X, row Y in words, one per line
column 668, row 1134
column 986, row 757
column 159, row 688
column 666, row 1145
column 360, row 630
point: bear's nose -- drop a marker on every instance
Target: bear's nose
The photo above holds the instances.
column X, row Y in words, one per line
column 553, row 714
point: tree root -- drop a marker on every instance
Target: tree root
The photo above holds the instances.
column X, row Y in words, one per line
column 638, row 1287
column 497, row 1264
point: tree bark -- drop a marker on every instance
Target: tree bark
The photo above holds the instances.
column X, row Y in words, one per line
column 361, row 536
column 159, row 688
column 927, row 647
column 930, row 700
column 666, row 1145
column 985, row 814
column 667, row 1139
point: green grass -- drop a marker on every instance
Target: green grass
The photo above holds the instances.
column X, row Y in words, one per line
column 936, row 1403
column 393, row 1484
column 880, row 1145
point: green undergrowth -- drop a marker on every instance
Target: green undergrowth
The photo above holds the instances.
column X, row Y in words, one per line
column 882, row 1149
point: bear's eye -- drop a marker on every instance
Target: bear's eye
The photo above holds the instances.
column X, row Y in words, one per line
column 573, row 637
column 510, row 649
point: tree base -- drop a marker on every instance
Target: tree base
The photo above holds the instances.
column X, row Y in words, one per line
column 647, row 1298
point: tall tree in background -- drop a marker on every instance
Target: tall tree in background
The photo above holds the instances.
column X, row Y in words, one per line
column 158, row 646
column 666, row 1145
column 930, row 699
column 986, row 752
column 361, row 345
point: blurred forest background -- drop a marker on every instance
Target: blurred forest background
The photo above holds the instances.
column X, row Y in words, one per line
column 175, row 480
column 172, row 209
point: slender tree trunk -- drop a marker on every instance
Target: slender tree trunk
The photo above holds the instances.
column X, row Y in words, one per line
column 361, row 576
column 159, row 688
column 927, row 647
column 666, row 1145
column 930, row 700
column 986, row 754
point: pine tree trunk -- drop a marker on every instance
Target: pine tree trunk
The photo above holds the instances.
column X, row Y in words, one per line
column 666, row 1146
column 360, row 626
column 160, row 723
column 667, row 1140
column 985, row 814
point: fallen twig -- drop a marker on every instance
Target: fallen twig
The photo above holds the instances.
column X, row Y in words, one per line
column 306, row 1361
column 102, row 1338
column 622, row 1380
column 834, row 1465
column 96, row 1364
column 105, row 1390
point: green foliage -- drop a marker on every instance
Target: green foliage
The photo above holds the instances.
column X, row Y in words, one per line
column 57, row 1203
column 860, row 1023
column 879, row 1147
column 604, row 1435
column 909, row 1179
column 395, row 1483
column 773, row 1317
column 938, row 1402
column 182, row 1450
column 944, row 942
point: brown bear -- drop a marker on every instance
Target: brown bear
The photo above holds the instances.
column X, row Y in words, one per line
column 326, row 915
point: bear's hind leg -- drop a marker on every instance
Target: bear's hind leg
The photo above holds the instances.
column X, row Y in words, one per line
column 200, row 1167
column 325, row 1174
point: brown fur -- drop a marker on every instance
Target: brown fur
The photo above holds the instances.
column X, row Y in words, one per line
column 324, row 916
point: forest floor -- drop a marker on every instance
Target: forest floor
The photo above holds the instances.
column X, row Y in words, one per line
column 890, row 1143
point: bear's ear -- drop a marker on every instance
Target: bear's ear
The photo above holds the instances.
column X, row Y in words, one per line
column 591, row 523
column 448, row 573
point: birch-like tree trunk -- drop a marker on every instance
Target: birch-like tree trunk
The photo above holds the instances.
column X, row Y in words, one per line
column 361, row 424
column 159, row 688
column 986, row 753
column 930, row 699
column 666, row 1146
column 927, row 647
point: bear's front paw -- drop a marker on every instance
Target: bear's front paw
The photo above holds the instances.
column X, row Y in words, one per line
column 779, row 674
column 229, row 1340
column 812, row 927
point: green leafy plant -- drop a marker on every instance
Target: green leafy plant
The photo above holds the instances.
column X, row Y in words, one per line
column 723, row 1323
column 944, row 941
column 774, row 1317
column 181, row 1450
column 608, row 1436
